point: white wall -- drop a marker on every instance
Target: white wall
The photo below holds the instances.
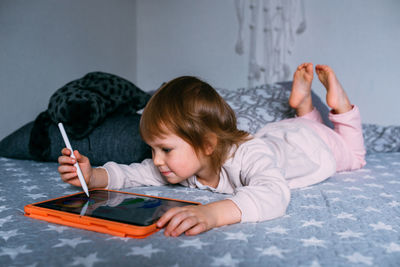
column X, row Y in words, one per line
column 360, row 39
column 187, row 37
column 46, row 43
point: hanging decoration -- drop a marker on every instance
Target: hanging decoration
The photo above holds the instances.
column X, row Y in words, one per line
column 280, row 21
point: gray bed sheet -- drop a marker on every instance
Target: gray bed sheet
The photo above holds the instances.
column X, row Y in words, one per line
column 351, row 219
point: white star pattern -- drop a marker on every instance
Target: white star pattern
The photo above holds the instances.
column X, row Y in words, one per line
column 363, row 170
column 311, row 196
column 30, row 187
column 71, row 242
column 36, row 196
column 358, row 258
column 354, row 188
column 273, row 251
column 375, row 186
column 315, row 263
column 345, row 215
column 55, row 179
column 335, row 199
column 370, row 209
column 197, row 243
column 7, row 234
column 369, row 177
column 146, row 251
column 394, row 204
column 277, row 230
column 202, row 199
column 87, row 261
column 18, row 172
column 333, row 191
column 237, row 236
column 24, row 181
column 14, row 252
column 392, row 247
column 361, row 197
column 58, row 228
column 349, row 234
column 313, row 242
column 5, row 220
column 312, row 222
column 226, row 260
column 3, row 208
column 380, row 167
column 63, row 185
column 311, row 207
column 125, row 239
column 382, row 226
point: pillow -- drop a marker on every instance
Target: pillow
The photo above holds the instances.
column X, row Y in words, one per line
column 116, row 139
column 381, row 138
column 257, row 106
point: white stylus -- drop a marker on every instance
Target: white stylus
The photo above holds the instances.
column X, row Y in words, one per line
column 78, row 170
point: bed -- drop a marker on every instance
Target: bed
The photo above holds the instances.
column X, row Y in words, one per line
column 351, row 219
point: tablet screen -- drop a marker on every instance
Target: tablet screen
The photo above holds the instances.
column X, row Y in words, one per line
column 115, row 206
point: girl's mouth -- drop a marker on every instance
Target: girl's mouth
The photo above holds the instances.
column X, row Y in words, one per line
column 166, row 173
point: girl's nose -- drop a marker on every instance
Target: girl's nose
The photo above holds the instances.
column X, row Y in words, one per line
column 157, row 159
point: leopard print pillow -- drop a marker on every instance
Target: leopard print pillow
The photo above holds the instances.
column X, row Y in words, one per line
column 81, row 105
column 84, row 103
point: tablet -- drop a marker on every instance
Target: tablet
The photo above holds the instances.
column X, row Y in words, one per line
column 107, row 211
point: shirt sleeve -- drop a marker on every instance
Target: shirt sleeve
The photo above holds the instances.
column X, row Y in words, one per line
column 264, row 194
column 135, row 174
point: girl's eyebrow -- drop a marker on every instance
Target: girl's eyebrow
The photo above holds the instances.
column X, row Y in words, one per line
column 161, row 144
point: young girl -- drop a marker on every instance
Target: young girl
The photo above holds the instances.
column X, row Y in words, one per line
column 195, row 142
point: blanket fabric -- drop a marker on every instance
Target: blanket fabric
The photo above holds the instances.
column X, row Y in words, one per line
column 83, row 104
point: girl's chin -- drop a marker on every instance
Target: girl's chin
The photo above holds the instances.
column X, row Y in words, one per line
column 174, row 179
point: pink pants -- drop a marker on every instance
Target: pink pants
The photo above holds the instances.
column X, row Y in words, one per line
column 346, row 140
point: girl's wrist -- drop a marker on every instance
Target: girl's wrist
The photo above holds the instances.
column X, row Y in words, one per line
column 225, row 212
column 98, row 178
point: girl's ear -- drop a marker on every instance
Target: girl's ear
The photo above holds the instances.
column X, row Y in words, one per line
column 210, row 143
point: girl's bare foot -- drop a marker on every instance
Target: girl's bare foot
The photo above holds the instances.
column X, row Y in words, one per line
column 300, row 97
column 336, row 97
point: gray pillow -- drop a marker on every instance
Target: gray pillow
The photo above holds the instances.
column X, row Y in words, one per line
column 257, row 106
column 116, row 139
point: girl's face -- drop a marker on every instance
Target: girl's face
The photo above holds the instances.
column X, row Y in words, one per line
column 177, row 160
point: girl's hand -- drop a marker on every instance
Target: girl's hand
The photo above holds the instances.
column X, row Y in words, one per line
column 193, row 220
column 67, row 169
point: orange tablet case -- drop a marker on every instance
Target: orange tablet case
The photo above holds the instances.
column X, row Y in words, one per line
column 94, row 224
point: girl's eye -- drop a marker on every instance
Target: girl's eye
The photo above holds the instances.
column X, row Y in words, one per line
column 166, row 150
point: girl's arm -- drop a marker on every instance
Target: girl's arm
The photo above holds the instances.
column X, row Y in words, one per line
column 133, row 175
column 193, row 220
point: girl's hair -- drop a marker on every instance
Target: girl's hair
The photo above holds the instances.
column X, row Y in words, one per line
column 192, row 109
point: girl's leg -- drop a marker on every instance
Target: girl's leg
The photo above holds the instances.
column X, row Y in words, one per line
column 300, row 97
column 345, row 117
